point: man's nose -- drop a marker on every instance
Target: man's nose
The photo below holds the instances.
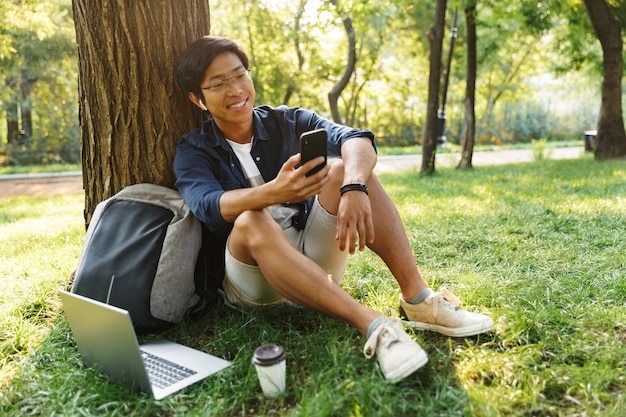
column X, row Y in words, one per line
column 233, row 83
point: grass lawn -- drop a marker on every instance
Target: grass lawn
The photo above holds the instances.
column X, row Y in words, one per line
column 539, row 246
column 38, row 169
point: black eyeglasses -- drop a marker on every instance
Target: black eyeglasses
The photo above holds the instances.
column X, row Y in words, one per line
column 222, row 86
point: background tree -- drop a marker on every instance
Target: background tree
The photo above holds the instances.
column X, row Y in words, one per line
column 608, row 22
column 397, row 99
column 132, row 111
column 511, row 55
column 37, row 49
column 335, row 92
column 435, row 38
column 298, row 46
column 298, row 52
column 469, row 119
column 281, row 39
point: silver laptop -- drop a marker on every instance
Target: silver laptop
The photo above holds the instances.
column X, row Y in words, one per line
column 106, row 340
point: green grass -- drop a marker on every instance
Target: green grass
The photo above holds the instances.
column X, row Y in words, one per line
column 36, row 169
column 540, row 246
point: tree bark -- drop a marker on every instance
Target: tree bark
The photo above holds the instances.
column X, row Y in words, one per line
column 26, row 111
column 293, row 85
column 469, row 122
column 435, row 38
column 13, row 124
column 610, row 142
column 335, row 93
column 132, row 111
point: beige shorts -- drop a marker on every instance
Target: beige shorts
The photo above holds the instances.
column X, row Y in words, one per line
column 246, row 286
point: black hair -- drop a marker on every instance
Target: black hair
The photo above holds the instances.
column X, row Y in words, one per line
column 199, row 55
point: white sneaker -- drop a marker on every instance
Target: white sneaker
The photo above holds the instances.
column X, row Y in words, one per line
column 398, row 355
column 441, row 312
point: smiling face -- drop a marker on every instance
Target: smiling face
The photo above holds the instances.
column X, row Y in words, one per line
column 231, row 109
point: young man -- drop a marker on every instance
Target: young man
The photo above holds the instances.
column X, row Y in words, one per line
column 285, row 235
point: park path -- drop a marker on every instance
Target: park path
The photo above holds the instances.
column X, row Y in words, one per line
column 46, row 185
column 410, row 162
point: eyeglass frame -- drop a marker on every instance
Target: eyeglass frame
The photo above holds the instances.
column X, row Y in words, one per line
column 244, row 77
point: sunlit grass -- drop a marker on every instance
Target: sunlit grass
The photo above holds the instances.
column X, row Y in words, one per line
column 40, row 239
column 545, row 248
column 37, row 169
column 538, row 246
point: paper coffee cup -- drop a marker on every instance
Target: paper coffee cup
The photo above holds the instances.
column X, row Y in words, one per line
column 271, row 366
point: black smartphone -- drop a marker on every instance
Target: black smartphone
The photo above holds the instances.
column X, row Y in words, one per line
column 312, row 145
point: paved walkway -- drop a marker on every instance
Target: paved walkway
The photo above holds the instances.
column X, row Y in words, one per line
column 408, row 162
column 72, row 182
column 41, row 185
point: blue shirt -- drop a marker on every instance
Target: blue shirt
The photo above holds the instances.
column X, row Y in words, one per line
column 206, row 166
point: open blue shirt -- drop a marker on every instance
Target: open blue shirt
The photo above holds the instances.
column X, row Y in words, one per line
column 206, row 166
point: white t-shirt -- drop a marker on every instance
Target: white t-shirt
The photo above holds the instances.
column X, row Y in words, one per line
column 280, row 213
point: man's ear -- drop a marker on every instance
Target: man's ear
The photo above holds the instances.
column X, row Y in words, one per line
column 197, row 101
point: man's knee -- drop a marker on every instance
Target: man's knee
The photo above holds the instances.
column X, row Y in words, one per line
column 329, row 196
column 255, row 225
column 336, row 174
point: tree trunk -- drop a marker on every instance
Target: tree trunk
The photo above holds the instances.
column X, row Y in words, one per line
column 132, row 111
column 26, row 87
column 335, row 93
column 435, row 38
column 13, row 124
column 469, row 122
column 293, row 84
column 610, row 142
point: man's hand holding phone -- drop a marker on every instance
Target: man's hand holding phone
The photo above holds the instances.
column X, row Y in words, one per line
column 291, row 184
column 313, row 145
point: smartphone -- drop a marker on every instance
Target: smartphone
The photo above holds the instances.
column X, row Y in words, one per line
column 312, row 145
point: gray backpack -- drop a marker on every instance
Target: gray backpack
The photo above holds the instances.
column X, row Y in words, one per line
column 142, row 253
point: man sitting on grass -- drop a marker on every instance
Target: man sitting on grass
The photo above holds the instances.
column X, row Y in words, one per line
column 286, row 236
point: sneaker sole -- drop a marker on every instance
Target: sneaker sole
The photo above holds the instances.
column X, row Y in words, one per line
column 453, row 332
column 409, row 367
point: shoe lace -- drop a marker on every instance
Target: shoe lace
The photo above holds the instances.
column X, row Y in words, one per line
column 381, row 335
column 447, row 296
column 450, row 297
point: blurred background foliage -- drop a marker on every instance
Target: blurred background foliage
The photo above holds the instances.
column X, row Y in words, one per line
column 539, row 69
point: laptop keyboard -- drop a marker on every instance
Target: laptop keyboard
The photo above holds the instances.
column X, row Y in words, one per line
column 164, row 373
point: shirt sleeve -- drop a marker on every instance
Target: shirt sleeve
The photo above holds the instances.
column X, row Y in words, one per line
column 305, row 120
column 199, row 186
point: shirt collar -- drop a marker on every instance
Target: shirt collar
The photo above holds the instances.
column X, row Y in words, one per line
column 215, row 137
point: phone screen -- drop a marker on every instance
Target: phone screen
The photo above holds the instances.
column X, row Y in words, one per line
column 312, row 145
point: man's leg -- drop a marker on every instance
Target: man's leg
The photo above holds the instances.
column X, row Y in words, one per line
column 257, row 239
column 391, row 242
column 435, row 311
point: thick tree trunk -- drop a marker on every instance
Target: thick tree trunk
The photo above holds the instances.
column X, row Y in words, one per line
column 132, row 111
column 469, row 122
column 610, row 142
column 435, row 38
